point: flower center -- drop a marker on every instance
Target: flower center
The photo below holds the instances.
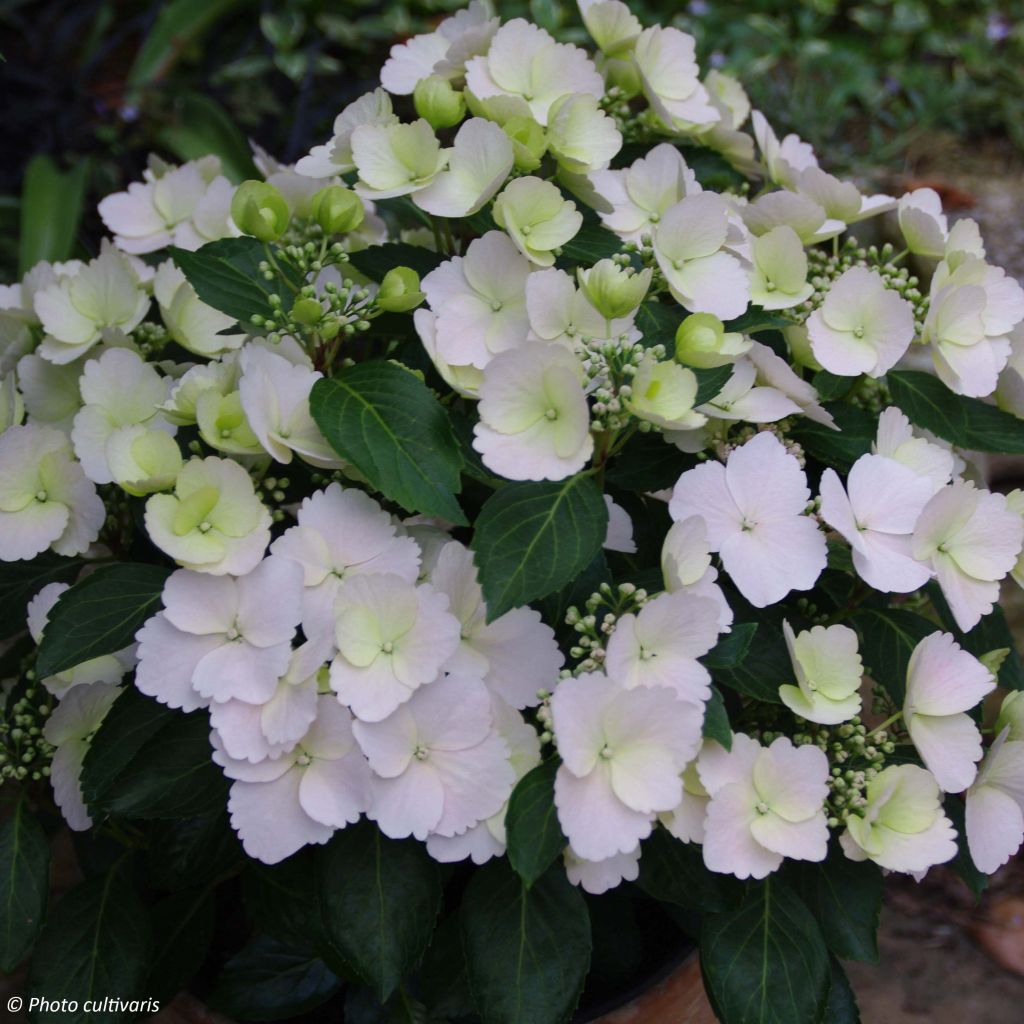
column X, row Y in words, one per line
column 496, row 306
column 761, row 807
column 205, row 526
column 42, row 496
column 607, row 752
column 387, row 647
column 232, row 633
column 858, row 332
column 303, row 759
column 421, row 753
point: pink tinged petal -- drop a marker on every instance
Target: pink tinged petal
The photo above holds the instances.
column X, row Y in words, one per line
column 792, row 780
column 987, row 545
column 577, row 709
column 686, row 821
column 200, row 603
column 167, row 663
column 65, row 773
column 290, row 712
column 477, row 844
column 919, row 851
column 452, row 714
column 269, row 602
column 238, row 725
column 765, row 481
column 372, row 692
column 950, row 747
column 718, row 767
column 653, row 719
column 336, row 792
column 596, row 823
column 388, row 745
column 886, row 563
column 477, row 783
column 522, row 656
column 411, row 804
column 944, row 679
column 703, row 492
column 803, row 840
column 646, row 779
column 238, row 670
column 30, row 531
column 269, row 818
column 837, row 510
column 330, row 736
column 840, row 352
column 729, row 843
column 995, row 827
column 598, row 877
column 886, row 495
column 778, row 556
column 969, row 599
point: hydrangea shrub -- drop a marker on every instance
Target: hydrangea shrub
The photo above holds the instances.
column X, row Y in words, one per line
column 547, row 492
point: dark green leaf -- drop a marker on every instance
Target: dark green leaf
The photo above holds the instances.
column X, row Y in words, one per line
column 831, row 386
column 51, row 208
column 591, row 243
column 186, row 852
column 198, row 127
column 968, row 422
column 225, row 275
column 840, row 448
column 658, row 322
column 710, row 382
column 648, row 463
column 716, row 719
column 380, row 900
column 100, row 615
column 527, row 950
column 535, row 838
column 21, row 581
column 441, row 981
column 377, row 260
column 842, row 1003
column 96, row 943
column 532, row 538
column 673, row 872
column 756, row 321
column 845, row 898
column 888, row 637
column 270, row 981
column 25, row 877
column 733, row 647
column 766, row 962
column 764, row 668
column 183, row 925
column 386, row 422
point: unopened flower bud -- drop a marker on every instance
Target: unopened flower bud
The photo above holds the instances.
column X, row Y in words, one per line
column 438, row 103
column 400, row 290
column 614, row 291
column 260, row 210
column 529, row 142
column 337, row 210
column 307, row 311
column 702, row 341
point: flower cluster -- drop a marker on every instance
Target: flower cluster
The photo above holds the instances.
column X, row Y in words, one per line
column 581, row 314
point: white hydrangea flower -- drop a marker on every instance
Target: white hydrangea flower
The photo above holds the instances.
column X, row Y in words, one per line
column 439, row 764
column 342, row 533
column 70, row 730
column 1009, row 394
column 256, row 730
column 480, row 161
column 102, row 296
column 619, row 535
column 897, row 440
column 790, row 209
column 487, row 839
column 516, row 655
column 660, row 645
column 742, row 398
column 841, row 200
column 622, row 754
column 214, row 522
column 560, row 312
column 581, row 136
column 784, row 161
column 902, row 827
column 534, row 419
column 773, row 371
column 876, row 516
column 1011, row 713
column 50, row 392
column 686, row 820
column 669, row 76
column 828, row 671
column 600, row 876
column 524, row 63
column 108, row 668
column 537, row 218
column 194, row 325
column 922, row 222
column 392, row 637
column 994, row 812
column 46, row 500
column 862, row 326
column 119, row 391
column 274, row 395
column 157, row 212
column 779, row 279
column 639, row 195
column 301, row 798
column 462, row 378
column 663, row 393
column 943, row 683
column 686, row 566
column 335, row 156
column 220, row 638
column 396, row 159
column 971, row 539
column 767, row 803
column 478, row 301
column 12, row 406
column 688, row 244
column 753, row 509
column 611, row 24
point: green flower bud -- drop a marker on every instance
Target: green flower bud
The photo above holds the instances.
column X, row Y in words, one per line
column 400, row 290
column 702, row 341
column 307, row 311
column 438, row 103
column 529, row 142
column 624, row 75
column 260, row 210
column 614, row 291
column 337, row 210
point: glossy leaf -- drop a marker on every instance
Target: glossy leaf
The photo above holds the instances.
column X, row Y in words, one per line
column 533, row 538
column 183, row 926
column 25, row 878
column 376, row 260
column 534, row 836
column 673, row 872
column 100, row 615
column 21, row 581
column 389, row 425
column 763, row 669
column 716, row 720
column 888, row 637
column 733, row 647
column 52, row 201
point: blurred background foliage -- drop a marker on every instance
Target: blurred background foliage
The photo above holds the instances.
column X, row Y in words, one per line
column 91, row 87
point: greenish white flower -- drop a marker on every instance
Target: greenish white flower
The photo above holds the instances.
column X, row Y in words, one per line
column 612, row 25
column 902, row 827
column 76, row 312
column 828, row 671
column 560, row 312
column 12, row 406
column 743, row 398
column 463, row 378
column 779, row 278
column 922, row 222
column 784, row 161
column 580, row 135
column 395, row 159
column 614, row 291
column 666, row 60
column 438, row 102
column 143, row 460
column 702, row 341
column 994, row 805
column 841, row 200
column 805, row 216
column 1011, row 715
column 537, row 218
column 663, row 393
column 193, row 324
column 335, row 156
column 213, row 522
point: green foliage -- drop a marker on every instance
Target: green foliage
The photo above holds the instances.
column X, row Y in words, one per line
column 51, row 208
column 385, row 421
column 534, row 836
column 674, row 872
column 25, row 881
column 888, row 637
column 21, row 581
